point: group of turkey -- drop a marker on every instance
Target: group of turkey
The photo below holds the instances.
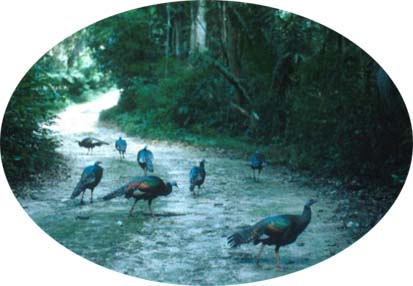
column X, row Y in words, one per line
column 277, row 230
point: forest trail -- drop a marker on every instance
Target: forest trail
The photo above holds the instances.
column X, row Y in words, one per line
column 186, row 244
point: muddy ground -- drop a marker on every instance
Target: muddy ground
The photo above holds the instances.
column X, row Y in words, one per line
column 186, row 244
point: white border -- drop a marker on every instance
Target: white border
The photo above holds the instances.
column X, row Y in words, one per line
column 30, row 28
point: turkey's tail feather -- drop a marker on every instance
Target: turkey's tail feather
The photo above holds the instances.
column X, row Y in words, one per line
column 245, row 235
column 100, row 143
column 78, row 190
column 149, row 165
column 116, row 193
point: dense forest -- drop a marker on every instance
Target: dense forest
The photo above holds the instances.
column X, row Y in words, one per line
column 222, row 74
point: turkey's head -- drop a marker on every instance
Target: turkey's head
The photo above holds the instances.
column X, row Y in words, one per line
column 310, row 202
column 173, row 183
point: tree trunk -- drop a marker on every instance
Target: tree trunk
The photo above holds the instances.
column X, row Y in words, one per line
column 198, row 28
column 178, row 25
column 234, row 55
column 223, row 33
column 168, row 37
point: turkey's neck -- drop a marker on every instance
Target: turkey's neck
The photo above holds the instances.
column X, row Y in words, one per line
column 305, row 217
column 168, row 188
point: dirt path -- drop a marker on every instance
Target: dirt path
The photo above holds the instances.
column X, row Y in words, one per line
column 187, row 244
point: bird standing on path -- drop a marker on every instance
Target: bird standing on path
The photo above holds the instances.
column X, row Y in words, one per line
column 146, row 188
column 89, row 179
column 257, row 162
column 90, row 143
column 278, row 230
column 145, row 158
column 121, row 145
column 197, row 176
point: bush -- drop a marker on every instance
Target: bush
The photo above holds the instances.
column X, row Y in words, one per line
column 27, row 146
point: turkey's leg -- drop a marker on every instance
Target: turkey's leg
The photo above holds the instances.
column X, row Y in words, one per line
column 253, row 174
column 277, row 257
column 83, row 194
column 150, row 208
column 91, row 196
column 259, row 253
column 132, row 208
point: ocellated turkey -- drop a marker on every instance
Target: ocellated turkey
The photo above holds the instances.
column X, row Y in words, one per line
column 197, row 176
column 143, row 188
column 89, row 179
column 121, row 145
column 257, row 163
column 145, row 159
column 274, row 230
column 90, row 143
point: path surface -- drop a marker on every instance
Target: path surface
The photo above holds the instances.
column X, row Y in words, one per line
column 187, row 243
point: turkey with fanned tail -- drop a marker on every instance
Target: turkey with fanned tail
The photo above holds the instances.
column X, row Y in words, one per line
column 274, row 230
column 143, row 188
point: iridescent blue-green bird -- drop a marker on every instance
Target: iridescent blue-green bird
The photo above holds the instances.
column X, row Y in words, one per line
column 89, row 179
column 197, row 176
column 145, row 158
column 274, row 230
column 143, row 188
column 90, row 143
column 121, row 145
column 257, row 163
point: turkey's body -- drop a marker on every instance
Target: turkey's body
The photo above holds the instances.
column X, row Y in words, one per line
column 143, row 188
column 145, row 158
column 89, row 179
column 121, row 145
column 197, row 176
column 274, row 230
column 279, row 236
column 90, row 143
column 257, row 162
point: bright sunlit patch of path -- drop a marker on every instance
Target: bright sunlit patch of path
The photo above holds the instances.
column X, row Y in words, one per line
column 84, row 117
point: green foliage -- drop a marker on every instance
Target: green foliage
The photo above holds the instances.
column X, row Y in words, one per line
column 26, row 144
column 67, row 73
column 303, row 93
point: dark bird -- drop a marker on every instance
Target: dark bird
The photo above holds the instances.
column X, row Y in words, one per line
column 145, row 158
column 90, row 143
column 197, row 176
column 274, row 230
column 146, row 188
column 257, row 162
column 121, row 145
column 90, row 178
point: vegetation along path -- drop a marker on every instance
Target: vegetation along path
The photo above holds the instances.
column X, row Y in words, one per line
column 187, row 243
